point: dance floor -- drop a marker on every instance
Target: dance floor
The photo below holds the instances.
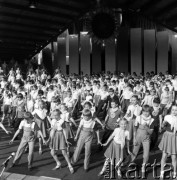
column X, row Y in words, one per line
column 44, row 163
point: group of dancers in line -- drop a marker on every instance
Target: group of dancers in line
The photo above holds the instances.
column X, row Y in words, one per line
column 131, row 110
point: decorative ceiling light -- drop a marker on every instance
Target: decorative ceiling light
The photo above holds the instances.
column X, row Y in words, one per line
column 103, row 24
column 33, row 4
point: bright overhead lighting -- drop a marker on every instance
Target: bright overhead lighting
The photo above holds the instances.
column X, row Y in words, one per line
column 84, row 33
column 32, row 4
column 175, row 35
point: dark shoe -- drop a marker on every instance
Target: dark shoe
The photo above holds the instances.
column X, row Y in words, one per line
column 86, row 170
column 12, row 165
column 29, row 167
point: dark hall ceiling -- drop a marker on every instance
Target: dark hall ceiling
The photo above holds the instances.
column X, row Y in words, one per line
column 23, row 30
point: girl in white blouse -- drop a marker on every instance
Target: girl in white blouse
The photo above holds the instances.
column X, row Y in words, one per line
column 116, row 149
column 58, row 140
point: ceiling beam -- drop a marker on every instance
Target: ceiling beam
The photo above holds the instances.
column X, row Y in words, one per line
column 164, row 11
column 29, row 25
column 23, row 39
column 42, row 19
column 24, row 35
column 149, row 6
column 37, row 11
column 18, row 30
column 11, row 42
column 75, row 6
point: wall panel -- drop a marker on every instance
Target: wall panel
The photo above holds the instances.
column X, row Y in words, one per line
column 136, row 50
column 149, row 50
column 162, row 51
column 110, row 57
column 96, row 58
column 174, row 53
column 123, row 50
column 61, row 59
column 85, row 53
column 73, row 54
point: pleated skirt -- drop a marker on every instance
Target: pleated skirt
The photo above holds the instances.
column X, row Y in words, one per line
column 113, row 152
column 58, row 142
column 168, row 143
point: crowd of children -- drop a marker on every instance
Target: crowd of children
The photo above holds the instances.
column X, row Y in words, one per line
column 130, row 110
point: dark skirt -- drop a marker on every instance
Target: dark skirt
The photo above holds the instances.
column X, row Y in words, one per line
column 7, row 109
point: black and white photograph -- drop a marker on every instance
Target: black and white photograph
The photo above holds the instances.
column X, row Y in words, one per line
column 88, row 89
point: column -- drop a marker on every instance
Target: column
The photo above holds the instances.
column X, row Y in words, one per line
column 123, row 50
column 73, row 54
column 61, row 60
column 136, row 50
column 162, row 51
column 110, row 59
column 96, row 58
column 149, row 50
column 85, row 53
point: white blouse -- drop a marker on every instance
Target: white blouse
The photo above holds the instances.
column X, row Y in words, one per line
column 41, row 113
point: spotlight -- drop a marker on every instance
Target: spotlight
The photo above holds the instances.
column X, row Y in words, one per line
column 32, row 4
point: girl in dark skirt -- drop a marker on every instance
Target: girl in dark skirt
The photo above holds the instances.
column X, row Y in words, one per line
column 168, row 144
column 40, row 115
column 68, row 121
column 58, row 140
column 116, row 148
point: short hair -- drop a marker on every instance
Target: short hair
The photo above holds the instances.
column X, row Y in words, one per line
column 87, row 112
column 111, row 90
column 57, row 111
column 156, row 100
column 114, row 101
column 88, row 103
column 166, row 89
column 135, row 96
column 20, row 95
column 146, row 108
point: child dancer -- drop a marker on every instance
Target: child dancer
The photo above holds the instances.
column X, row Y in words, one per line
column 85, row 136
column 7, row 108
column 116, row 148
column 133, row 111
column 157, row 116
column 20, row 110
column 40, row 115
column 29, row 104
column 166, row 100
column 114, row 113
column 168, row 144
column 65, row 115
column 58, row 140
column 29, row 128
column 144, row 127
